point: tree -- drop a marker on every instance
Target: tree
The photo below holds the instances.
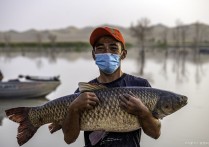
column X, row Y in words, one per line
column 7, row 40
column 177, row 33
column 39, row 39
column 183, row 33
column 52, row 38
column 198, row 36
column 140, row 31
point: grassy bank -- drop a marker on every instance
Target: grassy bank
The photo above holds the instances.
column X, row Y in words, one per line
column 32, row 46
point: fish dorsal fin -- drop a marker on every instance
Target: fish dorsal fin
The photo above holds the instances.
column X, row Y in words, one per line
column 90, row 86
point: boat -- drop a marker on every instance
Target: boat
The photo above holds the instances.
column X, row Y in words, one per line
column 204, row 50
column 31, row 87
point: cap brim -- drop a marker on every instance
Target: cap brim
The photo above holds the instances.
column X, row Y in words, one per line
column 97, row 33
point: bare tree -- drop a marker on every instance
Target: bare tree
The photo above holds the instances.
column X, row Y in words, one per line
column 197, row 39
column 165, row 36
column 180, row 33
column 184, row 30
column 176, row 38
column 140, row 31
column 39, row 39
column 176, row 33
column 52, row 38
column 165, row 42
column 183, row 33
column 7, row 40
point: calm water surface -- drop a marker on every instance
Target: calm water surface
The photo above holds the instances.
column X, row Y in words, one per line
column 185, row 128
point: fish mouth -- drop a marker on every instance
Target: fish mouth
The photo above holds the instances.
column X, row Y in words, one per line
column 184, row 100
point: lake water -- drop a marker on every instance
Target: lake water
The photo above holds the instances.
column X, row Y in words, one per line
column 185, row 128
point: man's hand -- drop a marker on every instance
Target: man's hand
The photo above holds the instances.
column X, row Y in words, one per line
column 133, row 105
column 86, row 100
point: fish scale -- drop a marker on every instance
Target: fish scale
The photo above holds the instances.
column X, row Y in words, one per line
column 108, row 110
column 111, row 115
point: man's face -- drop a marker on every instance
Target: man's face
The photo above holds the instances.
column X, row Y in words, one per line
column 107, row 44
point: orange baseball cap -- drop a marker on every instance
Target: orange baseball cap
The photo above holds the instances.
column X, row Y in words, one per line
column 102, row 31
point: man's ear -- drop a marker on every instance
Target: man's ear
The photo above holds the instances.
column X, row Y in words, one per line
column 93, row 54
column 124, row 53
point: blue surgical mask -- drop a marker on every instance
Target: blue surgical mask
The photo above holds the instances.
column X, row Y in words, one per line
column 108, row 62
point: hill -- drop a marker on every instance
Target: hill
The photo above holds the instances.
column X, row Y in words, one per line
column 74, row 34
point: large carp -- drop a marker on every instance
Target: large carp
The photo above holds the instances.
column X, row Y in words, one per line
column 106, row 116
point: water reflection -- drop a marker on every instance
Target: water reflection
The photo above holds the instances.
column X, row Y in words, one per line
column 179, row 56
column 171, row 70
column 52, row 56
column 141, row 60
column 180, row 59
column 11, row 103
column 39, row 63
column 179, row 65
column 199, row 72
column 164, row 66
column 49, row 54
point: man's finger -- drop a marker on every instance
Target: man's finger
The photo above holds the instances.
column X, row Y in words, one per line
column 89, row 106
column 94, row 98
column 123, row 105
column 127, row 96
column 91, row 94
column 92, row 103
column 131, row 94
column 123, row 99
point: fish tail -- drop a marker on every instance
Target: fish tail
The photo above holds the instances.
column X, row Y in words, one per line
column 26, row 130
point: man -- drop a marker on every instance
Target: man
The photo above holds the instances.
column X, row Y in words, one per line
column 108, row 51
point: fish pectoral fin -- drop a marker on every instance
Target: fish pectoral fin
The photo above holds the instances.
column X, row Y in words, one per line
column 96, row 136
column 90, row 86
column 53, row 127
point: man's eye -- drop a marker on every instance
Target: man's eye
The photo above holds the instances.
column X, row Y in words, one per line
column 114, row 48
column 100, row 47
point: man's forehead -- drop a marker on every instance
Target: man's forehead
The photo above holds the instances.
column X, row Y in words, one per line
column 106, row 39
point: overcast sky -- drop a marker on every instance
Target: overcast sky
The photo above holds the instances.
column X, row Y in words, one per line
column 54, row 14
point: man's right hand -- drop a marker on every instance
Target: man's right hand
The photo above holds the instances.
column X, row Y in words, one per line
column 86, row 100
column 71, row 124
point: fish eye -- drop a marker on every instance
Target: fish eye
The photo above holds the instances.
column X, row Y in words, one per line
column 166, row 106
